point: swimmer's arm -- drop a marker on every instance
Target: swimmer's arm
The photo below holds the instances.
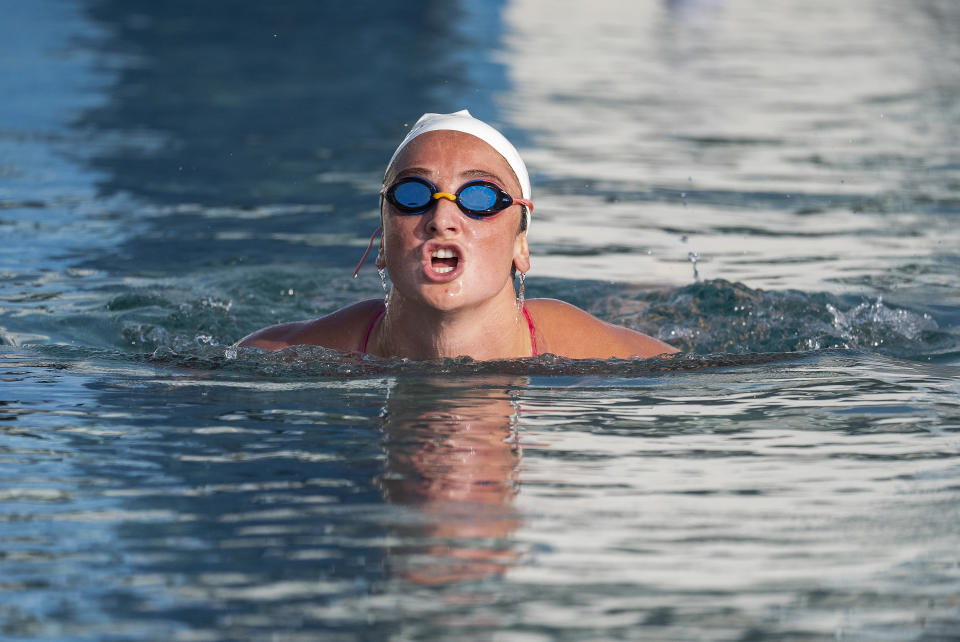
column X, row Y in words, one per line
column 568, row 331
column 633, row 344
column 342, row 330
column 275, row 337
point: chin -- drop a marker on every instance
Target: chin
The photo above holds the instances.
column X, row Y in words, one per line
column 443, row 302
column 445, row 297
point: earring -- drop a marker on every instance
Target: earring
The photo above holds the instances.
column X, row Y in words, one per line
column 522, row 292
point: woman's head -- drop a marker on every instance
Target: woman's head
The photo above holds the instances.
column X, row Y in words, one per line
column 440, row 255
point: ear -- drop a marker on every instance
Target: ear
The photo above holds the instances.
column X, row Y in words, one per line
column 381, row 261
column 521, row 253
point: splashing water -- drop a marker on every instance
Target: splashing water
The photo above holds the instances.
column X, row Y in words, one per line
column 706, row 317
column 876, row 325
column 719, row 316
column 693, row 257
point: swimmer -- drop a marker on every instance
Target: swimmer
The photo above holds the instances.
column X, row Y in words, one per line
column 455, row 212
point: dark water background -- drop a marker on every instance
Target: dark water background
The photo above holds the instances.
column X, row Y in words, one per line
column 774, row 189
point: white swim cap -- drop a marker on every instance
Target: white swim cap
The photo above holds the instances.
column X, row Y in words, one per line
column 462, row 121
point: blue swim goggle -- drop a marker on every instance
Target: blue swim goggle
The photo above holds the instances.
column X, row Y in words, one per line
column 477, row 199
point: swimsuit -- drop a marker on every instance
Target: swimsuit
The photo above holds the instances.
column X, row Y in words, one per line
column 533, row 337
column 366, row 337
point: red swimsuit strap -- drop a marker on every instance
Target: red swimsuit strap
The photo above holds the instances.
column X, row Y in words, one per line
column 533, row 335
column 366, row 337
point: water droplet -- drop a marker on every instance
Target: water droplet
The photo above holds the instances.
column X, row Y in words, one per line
column 693, row 257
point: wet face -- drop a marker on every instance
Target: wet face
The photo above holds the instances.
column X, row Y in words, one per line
column 443, row 258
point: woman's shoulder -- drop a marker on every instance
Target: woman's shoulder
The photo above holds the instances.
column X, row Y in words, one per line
column 344, row 329
column 566, row 330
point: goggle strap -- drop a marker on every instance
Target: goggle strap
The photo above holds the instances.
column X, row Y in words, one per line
column 367, row 253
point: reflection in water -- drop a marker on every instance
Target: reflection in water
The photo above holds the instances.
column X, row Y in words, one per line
column 213, row 105
column 282, row 114
column 765, row 138
column 453, row 453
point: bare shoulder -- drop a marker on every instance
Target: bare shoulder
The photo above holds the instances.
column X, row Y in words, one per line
column 341, row 330
column 568, row 331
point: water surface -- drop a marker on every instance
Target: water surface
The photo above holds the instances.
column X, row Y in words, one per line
column 775, row 190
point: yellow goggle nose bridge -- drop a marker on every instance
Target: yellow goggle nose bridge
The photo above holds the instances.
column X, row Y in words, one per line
column 446, row 195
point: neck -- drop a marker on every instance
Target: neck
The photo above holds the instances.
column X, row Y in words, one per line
column 494, row 329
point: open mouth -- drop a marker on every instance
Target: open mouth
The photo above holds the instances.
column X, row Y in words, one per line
column 444, row 260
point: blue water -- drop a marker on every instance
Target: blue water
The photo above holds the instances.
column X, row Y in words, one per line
column 773, row 189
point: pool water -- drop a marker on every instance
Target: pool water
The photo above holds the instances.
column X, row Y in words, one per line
column 773, row 189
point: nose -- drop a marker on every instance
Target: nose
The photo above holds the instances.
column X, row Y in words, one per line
column 445, row 217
